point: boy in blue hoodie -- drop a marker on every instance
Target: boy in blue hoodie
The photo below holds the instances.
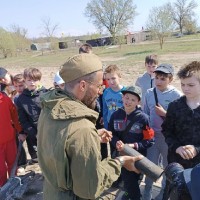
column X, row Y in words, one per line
column 112, row 96
column 28, row 104
column 130, row 125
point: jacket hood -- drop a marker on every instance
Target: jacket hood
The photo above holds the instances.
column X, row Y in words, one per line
column 63, row 105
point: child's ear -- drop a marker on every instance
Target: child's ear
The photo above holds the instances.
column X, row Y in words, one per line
column 171, row 79
column 120, row 75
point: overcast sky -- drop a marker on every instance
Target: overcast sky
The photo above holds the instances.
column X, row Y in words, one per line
column 69, row 14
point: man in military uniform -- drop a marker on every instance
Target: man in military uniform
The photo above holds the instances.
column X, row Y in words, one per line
column 68, row 142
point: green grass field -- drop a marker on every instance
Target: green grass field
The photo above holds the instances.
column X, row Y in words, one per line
column 124, row 55
column 130, row 58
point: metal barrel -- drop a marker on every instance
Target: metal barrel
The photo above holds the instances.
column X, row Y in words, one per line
column 144, row 165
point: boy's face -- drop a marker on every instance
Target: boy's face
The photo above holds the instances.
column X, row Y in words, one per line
column 113, row 80
column 190, row 87
column 31, row 84
column 150, row 67
column 6, row 80
column 162, row 82
column 130, row 102
column 19, row 86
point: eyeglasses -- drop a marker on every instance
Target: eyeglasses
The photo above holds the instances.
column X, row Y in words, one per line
column 100, row 87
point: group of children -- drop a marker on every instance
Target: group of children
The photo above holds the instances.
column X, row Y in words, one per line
column 152, row 117
column 20, row 109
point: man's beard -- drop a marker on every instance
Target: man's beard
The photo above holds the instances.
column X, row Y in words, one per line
column 89, row 100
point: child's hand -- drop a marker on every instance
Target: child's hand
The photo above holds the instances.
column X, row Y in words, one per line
column 160, row 110
column 22, row 137
column 187, row 152
column 119, row 145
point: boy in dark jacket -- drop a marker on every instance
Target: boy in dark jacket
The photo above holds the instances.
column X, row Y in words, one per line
column 181, row 127
column 139, row 136
column 28, row 104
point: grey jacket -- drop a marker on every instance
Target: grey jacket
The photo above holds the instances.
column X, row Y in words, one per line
column 164, row 98
column 145, row 82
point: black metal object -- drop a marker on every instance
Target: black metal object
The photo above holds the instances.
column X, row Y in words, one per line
column 144, row 165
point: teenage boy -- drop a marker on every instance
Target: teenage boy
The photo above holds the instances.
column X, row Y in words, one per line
column 28, row 104
column 130, row 125
column 146, row 81
column 112, row 96
column 181, row 127
column 156, row 102
column 19, row 85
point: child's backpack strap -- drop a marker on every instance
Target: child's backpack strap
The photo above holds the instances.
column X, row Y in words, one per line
column 155, row 96
column 156, row 100
column 127, row 129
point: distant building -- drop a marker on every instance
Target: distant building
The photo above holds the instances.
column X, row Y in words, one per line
column 63, row 45
column 100, row 41
column 139, row 36
column 41, row 46
column 130, row 38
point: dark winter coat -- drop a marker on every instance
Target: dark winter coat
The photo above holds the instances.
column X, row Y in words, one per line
column 29, row 107
column 139, row 133
column 182, row 127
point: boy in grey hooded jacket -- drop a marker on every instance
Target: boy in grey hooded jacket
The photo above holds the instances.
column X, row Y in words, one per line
column 146, row 81
column 156, row 102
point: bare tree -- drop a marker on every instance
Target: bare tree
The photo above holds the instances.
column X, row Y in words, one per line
column 183, row 12
column 113, row 15
column 160, row 22
column 49, row 29
column 20, row 31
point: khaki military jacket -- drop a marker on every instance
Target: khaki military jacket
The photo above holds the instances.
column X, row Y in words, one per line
column 69, row 150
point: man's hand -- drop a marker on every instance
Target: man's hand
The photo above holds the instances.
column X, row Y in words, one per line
column 119, row 145
column 187, row 152
column 160, row 110
column 22, row 137
column 104, row 135
column 129, row 162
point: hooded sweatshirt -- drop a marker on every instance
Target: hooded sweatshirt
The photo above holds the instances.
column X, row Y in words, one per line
column 145, row 82
column 29, row 107
column 140, row 134
column 69, row 150
column 164, row 98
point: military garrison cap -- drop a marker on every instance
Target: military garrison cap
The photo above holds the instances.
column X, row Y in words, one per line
column 79, row 66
